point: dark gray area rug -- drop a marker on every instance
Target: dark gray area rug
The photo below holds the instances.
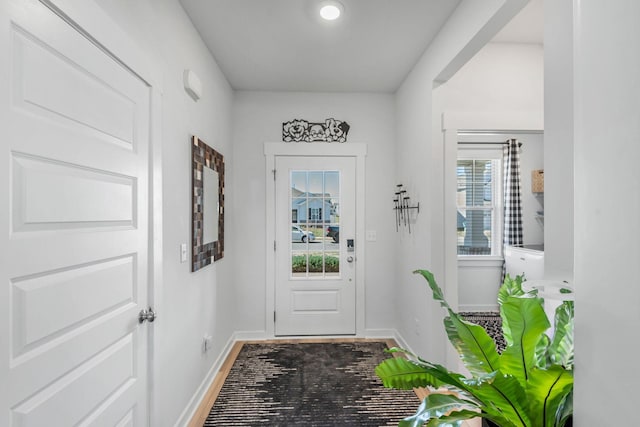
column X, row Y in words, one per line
column 309, row 384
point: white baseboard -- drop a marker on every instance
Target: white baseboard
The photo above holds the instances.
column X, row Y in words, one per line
column 402, row 343
column 199, row 395
column 263, row 335
column 252, row 336
column 379, row 333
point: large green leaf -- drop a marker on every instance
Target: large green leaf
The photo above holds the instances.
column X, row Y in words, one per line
column 565, row 410
column 523, row 323
column 474, row 345
column 542, row 352
column 436, row 406
column 476, row 348
column 438, row 295
column 455, row 419
column 547, row 390
column 561, row 347
column 502, row 399
column 510, row 288
column 400, row 373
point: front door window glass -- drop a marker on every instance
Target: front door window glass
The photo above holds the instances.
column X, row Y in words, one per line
column 315, row 224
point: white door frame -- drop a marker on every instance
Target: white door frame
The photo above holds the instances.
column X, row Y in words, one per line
column 89, row 19
column 276, row 149
column 452, row 123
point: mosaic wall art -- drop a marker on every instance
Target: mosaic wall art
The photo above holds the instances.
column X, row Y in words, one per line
column 203, row 156
column 331, row 130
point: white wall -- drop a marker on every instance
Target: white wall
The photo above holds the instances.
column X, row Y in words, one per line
column 531, row 158
column 501, row 77
column 607, row 202
column 478, row 283
column 504, row 77
column 558, row 156
column 258, row 118
column 189, row 304
column 420, row 166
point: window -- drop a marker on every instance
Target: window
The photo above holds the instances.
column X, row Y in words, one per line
column 315, row 201
column 479, row 199
column 315, row 214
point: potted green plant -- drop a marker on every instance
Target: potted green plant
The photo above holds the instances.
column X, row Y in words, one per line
column 530, row 384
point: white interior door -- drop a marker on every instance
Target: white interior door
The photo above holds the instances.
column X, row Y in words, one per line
column 315, row 241
column 73, row 249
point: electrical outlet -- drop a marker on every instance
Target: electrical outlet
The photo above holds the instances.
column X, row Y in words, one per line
column 371, row 236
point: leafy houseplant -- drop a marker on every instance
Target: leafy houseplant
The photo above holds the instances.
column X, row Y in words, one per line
column 529, row 385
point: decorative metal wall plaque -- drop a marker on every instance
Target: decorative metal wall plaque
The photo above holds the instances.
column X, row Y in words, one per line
column 331, row 130
column 403, row 208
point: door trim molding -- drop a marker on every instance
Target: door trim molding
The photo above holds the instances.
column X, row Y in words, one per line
column 314, row 149
column 97, row 26
column 452, row 123
column 278, row 149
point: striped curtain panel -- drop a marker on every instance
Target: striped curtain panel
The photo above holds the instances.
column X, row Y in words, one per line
column 512, row 235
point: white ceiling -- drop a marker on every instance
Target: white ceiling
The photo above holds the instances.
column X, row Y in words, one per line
column 282, row 45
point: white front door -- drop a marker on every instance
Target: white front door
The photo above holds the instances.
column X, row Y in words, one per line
column 315, row 238
column 74, row 137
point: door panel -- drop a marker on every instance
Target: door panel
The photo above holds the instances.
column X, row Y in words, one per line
column 315, row 273
column 101, row 286
column 52, row 79
column 99, row 379
column 44, row 192
column 73, row 255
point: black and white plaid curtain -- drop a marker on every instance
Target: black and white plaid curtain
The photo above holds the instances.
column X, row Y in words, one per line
column 512, row 235
column 512, row 194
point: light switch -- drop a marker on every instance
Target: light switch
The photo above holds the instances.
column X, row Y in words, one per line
column 371, row 236
column 183, row 252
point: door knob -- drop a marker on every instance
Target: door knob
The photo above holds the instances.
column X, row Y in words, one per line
column 349, row 259
column 149, row 315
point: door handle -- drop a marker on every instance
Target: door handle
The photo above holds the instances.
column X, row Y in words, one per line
column 349, row 258
column 149, row 315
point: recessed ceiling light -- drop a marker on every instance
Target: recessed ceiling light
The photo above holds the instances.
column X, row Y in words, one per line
column 331, row 10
